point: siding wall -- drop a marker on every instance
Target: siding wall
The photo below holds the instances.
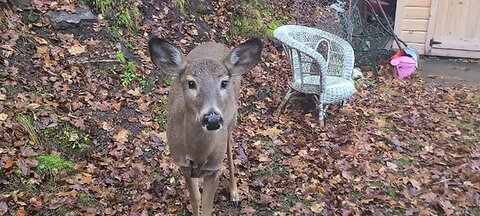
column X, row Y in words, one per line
column 411, row 22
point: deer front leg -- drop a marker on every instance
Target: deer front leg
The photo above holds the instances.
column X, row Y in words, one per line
column 210, row 185
column 234, row 197
column 193, row 189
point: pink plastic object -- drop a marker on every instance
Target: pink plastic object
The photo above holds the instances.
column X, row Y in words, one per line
column 404, row 66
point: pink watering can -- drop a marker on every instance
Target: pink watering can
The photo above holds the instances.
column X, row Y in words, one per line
column 404, row 66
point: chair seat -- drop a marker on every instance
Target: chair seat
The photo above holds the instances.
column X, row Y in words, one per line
column 336, row 88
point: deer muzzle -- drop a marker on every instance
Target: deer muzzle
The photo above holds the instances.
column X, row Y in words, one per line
column 212, row 121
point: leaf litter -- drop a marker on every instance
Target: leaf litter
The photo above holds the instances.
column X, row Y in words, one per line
column 398, row 147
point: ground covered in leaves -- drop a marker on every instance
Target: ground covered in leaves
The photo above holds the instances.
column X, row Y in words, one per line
column 82, row 118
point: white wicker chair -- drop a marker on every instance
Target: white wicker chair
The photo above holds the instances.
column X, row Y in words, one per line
column 322, row 65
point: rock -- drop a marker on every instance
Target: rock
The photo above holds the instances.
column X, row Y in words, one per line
column 64, row 19
column 21, row 3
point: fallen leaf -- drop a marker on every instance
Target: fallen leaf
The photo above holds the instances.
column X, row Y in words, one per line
column 21, row 212
column 263, row 158
column 415, row 184
column 33, row 106
column 3, row 208
column 107, row 126
column 317, row 207
column 271, row 132
column 40, row 40
column 392, row 166
column 121, row 137
column 3, row 116
column 446, row 206
column 76, row 49
column 2, row 97
column 135, row 92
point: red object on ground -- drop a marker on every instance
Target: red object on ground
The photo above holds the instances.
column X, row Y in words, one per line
column 398, row 54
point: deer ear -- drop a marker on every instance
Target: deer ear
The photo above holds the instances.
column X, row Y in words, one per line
column 244, row 57
column 166, row 56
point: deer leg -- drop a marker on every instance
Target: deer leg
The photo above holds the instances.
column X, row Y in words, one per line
column 284, row 102
column 193, row 189
column 210, row 185
column 231, row 167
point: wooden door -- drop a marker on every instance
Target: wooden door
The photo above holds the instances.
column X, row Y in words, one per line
column 454, row 28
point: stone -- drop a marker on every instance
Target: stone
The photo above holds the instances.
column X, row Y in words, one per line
column 64, row 19
column 21, row 3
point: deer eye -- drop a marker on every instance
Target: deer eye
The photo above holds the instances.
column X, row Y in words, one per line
column 224, row 84
column 192, row 85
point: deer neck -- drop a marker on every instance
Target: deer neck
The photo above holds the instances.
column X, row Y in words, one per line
column 200, row 145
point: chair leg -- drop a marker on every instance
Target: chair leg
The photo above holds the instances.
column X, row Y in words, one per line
column 284, row 102
column 321, row 115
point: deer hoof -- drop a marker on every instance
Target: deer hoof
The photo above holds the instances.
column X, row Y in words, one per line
column 235, row 203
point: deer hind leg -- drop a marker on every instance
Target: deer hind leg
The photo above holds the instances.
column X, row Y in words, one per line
column 193, row 190
column 234, row 197
column 210, row 185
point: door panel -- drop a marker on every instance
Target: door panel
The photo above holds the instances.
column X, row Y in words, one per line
column 457, row 26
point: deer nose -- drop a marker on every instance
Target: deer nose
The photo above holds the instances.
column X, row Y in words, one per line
column 212, row 121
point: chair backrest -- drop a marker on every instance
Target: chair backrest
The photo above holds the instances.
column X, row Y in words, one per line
column 313, row 51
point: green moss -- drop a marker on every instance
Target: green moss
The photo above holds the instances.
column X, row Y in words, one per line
column 392, row 192
column 356, row 195
column 261, row 24
column 390, row 91
column 46, row 164
column 180, row 4
column 376, row 184
column 86, row 199
column 405, row 160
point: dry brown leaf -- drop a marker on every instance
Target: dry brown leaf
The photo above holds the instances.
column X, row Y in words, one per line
column 317, row 207
column 135, row 92
column 415, row 184
column 121, row 137
column 271, row 132
column 76, row 49
column 21, row 212
column 3, row 116
column 40, row 40
column 263, row 158
column 3, row 208
column 2, row 97
column 446, row 206
column 106, row 126
column 392, row 166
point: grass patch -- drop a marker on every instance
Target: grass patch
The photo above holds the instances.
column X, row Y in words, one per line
column 161, row 110
column 67, row 140
column 127, row 70
column 123, row 13
column 27, row 125
column 392, row 192
column 86, row 199
column 405, row 160
column 47, row 165
column 180, row 4
column 385, row 129
column 390, row 91
column 376, row 184
column 168, row 80
column 118, row 37
column 356, row 195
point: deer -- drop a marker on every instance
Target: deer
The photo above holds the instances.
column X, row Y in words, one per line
column 202, row 111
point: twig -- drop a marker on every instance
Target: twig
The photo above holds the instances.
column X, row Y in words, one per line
column 442, row 181
column 95, row 61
